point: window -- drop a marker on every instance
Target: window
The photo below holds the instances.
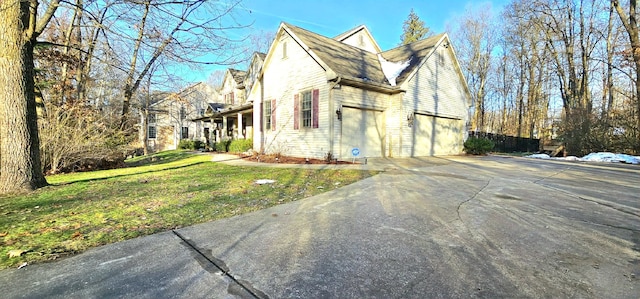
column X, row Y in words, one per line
column 306, row 109
column 183, row 113
column 152, row 133
column 201, row 112
column 151, row 118
column 361, row 40
column 267, row 114
column 185, row 133
column 228, row 98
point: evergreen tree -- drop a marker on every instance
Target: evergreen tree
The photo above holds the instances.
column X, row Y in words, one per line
column 413, row 29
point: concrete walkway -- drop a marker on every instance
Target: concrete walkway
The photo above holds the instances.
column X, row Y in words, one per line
column 449, row 227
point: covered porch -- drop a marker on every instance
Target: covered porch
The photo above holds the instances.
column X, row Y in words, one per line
column 228, row 124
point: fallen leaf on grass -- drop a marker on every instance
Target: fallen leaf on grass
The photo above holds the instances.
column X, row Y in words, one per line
column 15, row 253
column 22, row 265
column 3, row 234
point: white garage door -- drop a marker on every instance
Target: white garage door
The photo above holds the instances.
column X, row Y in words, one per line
column 433, row 136
column 362, row 129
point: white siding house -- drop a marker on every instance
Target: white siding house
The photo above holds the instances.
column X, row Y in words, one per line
column 316, row 96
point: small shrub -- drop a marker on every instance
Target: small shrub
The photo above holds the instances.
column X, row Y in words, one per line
column 186, row 144
column 222, row 146
column 197, row 144
column 478, row 146
column 240, row 145
column 190, row 144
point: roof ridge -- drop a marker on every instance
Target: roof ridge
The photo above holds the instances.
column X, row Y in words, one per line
column 433, row 37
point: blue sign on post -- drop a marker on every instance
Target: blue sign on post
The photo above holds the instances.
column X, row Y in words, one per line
column 355, row 151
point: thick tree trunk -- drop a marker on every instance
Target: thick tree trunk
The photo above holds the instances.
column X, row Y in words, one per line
column 20, row 168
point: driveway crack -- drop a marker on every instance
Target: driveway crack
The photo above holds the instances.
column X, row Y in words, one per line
column 469, row 199
column 222, row 267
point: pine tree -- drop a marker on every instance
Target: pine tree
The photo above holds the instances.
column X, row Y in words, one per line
column 413, row 29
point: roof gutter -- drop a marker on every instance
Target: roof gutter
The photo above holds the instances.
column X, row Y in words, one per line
column 370, row 85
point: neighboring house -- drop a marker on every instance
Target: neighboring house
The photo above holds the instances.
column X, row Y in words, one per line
column 317, row 96
column 170, row 117
column 234, row 119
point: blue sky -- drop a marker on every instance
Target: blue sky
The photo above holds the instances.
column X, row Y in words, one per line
column 332, row 17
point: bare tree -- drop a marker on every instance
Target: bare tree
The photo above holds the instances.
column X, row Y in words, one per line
column 181, row 31
column 476, row 39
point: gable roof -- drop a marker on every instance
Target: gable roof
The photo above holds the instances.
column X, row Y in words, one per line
column 341, row 37
column 416, row 51
column 360, row 66
column 161, row 96
column 345, row 60
column 237, row 75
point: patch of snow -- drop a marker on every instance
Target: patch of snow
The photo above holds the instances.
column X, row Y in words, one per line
column 595, row 157
column 392, row 70
column 539, row 156
column 264, row 181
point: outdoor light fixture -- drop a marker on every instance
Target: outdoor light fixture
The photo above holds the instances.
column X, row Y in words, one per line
column 410, row 119
column 339, row 114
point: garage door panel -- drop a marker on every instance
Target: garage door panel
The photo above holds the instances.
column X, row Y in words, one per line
column 434, row 136
column 363, row 129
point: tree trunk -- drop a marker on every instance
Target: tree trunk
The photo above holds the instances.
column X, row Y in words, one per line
column 20, row 168
column 630, row 24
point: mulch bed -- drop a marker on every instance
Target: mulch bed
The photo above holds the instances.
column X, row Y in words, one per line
column 290, row 160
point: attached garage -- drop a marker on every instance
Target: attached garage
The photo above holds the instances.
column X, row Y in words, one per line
column 435, row 136
column 363, row 129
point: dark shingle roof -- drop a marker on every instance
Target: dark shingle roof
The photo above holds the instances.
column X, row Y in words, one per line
column 343, row 59
column 415, row 51
column 238, row 75
column 349, row 61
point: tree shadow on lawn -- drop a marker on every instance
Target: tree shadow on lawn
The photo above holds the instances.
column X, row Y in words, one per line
column 159, row 158
column 108, row 176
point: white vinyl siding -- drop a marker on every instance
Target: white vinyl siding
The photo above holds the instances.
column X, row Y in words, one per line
column 282, row 80
column 436, row 90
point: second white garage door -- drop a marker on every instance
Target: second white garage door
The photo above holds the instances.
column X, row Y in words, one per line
column 433, row 136
column 362, row 129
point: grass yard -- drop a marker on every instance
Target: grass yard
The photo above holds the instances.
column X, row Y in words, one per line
column 157, row 193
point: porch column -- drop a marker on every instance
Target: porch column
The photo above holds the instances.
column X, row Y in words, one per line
column 224, row 127
column 240, row 135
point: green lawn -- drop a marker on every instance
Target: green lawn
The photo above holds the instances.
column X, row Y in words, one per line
column 158, row 193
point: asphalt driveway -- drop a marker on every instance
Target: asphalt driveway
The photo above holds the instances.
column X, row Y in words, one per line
column 425, row 228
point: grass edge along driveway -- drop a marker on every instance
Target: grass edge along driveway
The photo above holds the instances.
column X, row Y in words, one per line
column 155, row 193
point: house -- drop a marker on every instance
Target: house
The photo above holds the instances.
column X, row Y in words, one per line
column 170, row 117
column 234, row 118
column 342, row 97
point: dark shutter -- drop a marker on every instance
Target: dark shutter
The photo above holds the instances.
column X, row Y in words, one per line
column 296, row 111
column 262, row 117
column 316, row 99
column 273, row 115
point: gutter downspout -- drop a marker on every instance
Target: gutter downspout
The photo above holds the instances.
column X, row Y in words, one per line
column 332, row 118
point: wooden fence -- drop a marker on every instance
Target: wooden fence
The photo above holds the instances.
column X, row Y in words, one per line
column 509, row 144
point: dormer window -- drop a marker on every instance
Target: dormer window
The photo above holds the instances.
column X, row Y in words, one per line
column 228, row 98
